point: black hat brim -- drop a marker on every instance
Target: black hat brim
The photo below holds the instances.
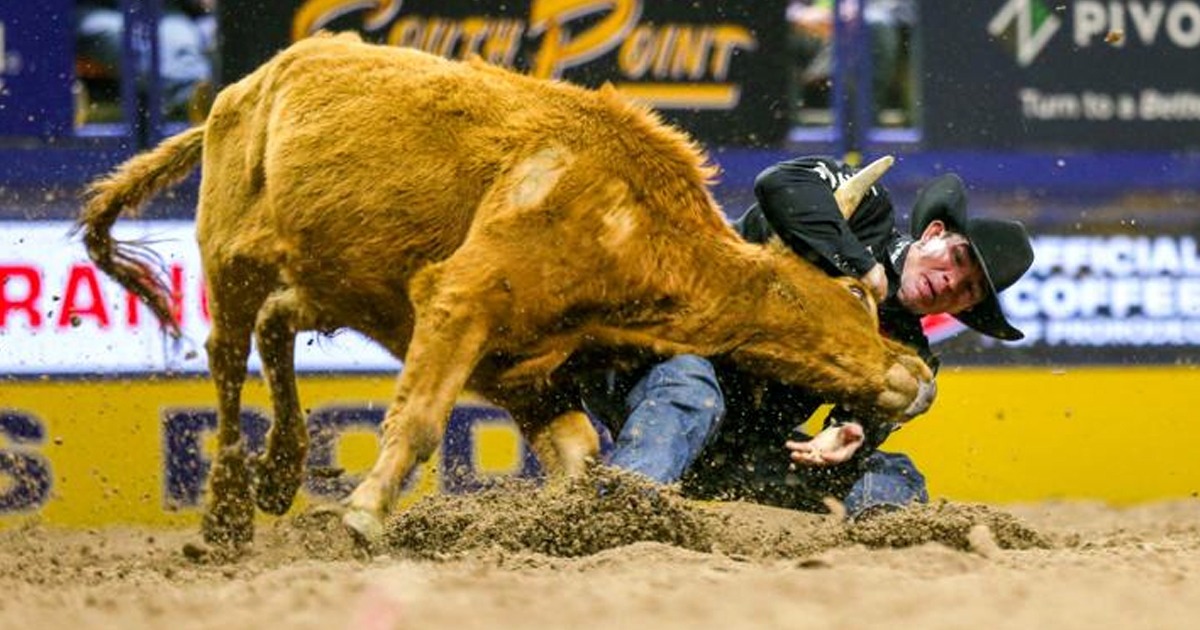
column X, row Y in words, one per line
column 1001, row 248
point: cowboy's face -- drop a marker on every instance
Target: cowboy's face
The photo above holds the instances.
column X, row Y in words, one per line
column 940, row 273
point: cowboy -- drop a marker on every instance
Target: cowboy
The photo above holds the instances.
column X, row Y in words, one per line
column 727, row 434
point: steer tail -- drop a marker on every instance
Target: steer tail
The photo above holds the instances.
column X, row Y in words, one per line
column 131, row 264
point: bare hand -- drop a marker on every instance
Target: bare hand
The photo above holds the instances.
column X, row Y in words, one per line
column 831, row 446
column 877, row 280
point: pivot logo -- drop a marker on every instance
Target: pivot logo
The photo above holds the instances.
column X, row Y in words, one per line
column 1026, row 25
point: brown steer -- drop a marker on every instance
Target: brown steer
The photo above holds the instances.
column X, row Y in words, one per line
column 490, row 229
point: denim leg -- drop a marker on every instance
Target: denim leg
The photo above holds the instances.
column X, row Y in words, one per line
column 673, row 412
column 891, row 480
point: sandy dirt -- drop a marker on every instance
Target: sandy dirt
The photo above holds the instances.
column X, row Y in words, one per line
column 622, row 557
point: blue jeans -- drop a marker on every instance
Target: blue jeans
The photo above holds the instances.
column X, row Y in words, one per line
column 672, row 416
column 665, row 420
column 891, row 480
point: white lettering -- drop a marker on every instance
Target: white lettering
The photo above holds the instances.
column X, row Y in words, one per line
column 1021, row 301
column 1110, row 290
column 1183, row 24
column 1189, row 262
column 1093, row 295
column 1157, row 299
column 1039, row 106
column 1146, row 20
column 1155, row 105
column 1188, row 296
column 1117, row 256
column 1116, row 19
column 1089, row 22
column 1125, row 296
column 1094, row 21
column 1136, row 331
column 1120, row 256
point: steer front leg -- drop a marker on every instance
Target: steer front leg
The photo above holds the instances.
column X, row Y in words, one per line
column 448, row 340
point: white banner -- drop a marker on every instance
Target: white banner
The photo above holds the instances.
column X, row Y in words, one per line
column 1109, row 291
column 59, row 314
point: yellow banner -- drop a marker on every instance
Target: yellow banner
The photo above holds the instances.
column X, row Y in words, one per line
column 1119, row 434
column 84, row 453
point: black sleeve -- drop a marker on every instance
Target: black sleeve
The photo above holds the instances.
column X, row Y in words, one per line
column 796, row 198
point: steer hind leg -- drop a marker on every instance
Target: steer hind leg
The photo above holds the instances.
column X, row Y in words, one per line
column 280, row 469
column 234, row 300
column 565, row 445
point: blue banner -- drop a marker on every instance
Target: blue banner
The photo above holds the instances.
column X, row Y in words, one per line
column 1036, row 74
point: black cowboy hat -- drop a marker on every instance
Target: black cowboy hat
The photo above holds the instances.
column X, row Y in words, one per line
column 1001, row 247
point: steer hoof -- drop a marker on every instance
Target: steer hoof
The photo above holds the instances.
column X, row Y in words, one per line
column 277, row 485
column 926, row 393
column 909, row 388
column 229, row 519
column 366, row 528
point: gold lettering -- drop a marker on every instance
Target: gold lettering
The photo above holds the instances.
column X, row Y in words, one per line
column 687, row 65
column 691, row 51
column 662, row 51
column 559, row 52
column 503, row 42
column 729, row 38
column 497, row 41
column 405, row 32
column 636, row 52
column 313, row 15
column 433, row 33
column 473, row 31
column 681, row 52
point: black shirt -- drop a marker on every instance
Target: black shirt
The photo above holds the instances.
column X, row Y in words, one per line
column 795, row 202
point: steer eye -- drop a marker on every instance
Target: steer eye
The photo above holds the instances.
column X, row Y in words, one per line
column 864, row 297
column 860, row 293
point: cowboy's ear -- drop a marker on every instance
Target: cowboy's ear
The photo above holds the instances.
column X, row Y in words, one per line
column 935, row 228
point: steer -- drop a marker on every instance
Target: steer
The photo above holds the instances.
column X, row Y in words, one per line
column 497, row 232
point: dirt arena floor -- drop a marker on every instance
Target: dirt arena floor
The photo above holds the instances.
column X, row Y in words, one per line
column 626, row 557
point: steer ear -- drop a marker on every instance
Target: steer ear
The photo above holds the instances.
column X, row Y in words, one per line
column 850, row 193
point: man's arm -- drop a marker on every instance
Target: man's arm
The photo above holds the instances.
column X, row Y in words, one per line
column 846, row 438
column 796, row 199
column 833, row 445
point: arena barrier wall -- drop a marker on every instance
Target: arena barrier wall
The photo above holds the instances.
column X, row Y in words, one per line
column 82, row 453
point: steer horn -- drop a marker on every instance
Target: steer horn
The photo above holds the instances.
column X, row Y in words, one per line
column 850, row 193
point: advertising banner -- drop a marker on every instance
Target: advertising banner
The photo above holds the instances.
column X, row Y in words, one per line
column 83, row 453
column 1097, row 298
column 718, row 69
column 36, row 67
column 61, row 315
column 1081, row 74
column 77, row 452
column 1105, row 296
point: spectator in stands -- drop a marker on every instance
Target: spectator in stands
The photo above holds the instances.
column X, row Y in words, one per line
column 890, row 24
column 185, row 33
